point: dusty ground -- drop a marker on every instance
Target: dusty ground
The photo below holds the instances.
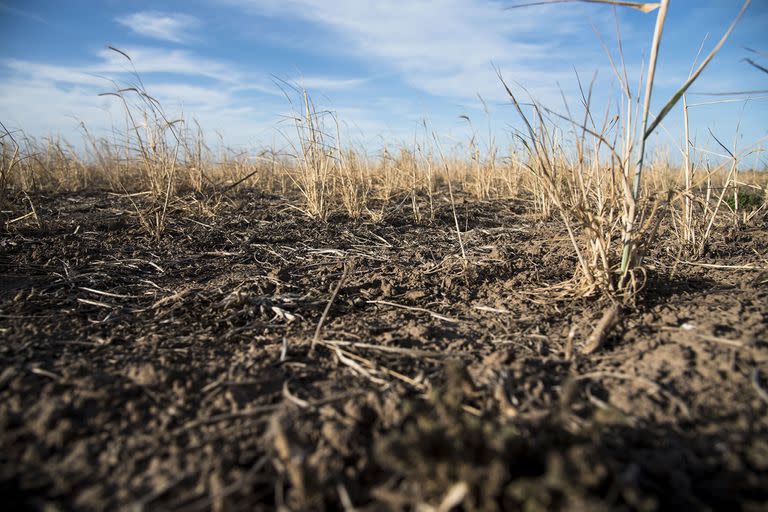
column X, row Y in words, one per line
column 179, row 374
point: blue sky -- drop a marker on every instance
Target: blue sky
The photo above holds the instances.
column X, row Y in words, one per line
column 384, row 66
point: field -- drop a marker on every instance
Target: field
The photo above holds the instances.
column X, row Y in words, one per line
column 571, row 321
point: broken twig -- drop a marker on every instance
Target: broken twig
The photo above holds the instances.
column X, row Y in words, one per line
column 607, row 322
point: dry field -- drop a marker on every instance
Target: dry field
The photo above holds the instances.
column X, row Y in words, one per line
column 560, row 325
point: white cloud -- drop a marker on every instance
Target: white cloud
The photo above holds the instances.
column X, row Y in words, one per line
column 149, row 60
column 328, row 83
column 160, row 60
column 173, row 27
column 41, row 108
column 53, row 73
column 144, row 61
column 447, row 47
column 43, row 98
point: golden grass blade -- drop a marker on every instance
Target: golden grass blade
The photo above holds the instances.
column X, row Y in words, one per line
column 679, row 94
column 645, row 7
column 629, row 227
column 657, row 33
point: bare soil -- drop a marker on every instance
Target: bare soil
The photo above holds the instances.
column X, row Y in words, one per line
column 180, row 373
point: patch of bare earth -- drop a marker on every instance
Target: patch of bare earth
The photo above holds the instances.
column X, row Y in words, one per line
column 181, row 374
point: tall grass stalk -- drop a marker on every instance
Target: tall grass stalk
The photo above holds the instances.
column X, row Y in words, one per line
column 628, row 252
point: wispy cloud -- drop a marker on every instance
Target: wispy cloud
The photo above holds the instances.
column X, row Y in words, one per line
column 173, row 27
column 148, row 61
column 161, row 60
column 54, row 98
column 444, row 47
column 328, row 83
column 41, row 107
column 144, row 61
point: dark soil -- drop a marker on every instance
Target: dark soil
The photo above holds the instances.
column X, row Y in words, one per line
column 180, row 373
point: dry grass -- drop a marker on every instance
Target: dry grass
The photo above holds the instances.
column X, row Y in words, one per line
column 586, row 168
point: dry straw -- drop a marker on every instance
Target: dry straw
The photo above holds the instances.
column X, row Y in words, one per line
column 586, row 169
column 593, row 198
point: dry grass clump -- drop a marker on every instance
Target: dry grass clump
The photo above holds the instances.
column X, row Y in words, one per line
column 50, row 164
column 317, row 159
column 589, row 192
column 354, row 182
column 610, row 212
